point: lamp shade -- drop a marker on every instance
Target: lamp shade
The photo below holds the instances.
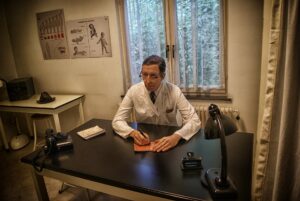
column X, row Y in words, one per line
column 218, row 126
column 212, row 130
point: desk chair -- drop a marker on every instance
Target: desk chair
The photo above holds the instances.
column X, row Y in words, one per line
column 35, row 119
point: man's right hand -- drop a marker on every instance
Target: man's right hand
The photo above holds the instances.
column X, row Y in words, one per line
column 139, row 138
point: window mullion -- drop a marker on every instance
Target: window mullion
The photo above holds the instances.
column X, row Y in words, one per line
column 168, row 31
column 223, row 45
column 171, row 24
column 194, row 47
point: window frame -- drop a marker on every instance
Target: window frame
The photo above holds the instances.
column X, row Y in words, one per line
column 172, row 71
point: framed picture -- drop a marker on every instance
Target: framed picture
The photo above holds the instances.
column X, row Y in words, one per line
column 89, row 37
column 51, row 31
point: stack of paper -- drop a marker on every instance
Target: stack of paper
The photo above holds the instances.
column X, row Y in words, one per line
column 91, row 132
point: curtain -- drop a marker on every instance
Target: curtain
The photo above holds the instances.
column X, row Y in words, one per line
column 277, row 167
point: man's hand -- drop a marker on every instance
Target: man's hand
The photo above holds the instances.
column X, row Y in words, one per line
column 140, row 139
column 166, row 143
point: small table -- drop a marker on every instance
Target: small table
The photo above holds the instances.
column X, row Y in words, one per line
column 30, row 106
column 108, row 163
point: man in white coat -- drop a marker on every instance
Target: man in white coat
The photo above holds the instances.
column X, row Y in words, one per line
column 156, row 101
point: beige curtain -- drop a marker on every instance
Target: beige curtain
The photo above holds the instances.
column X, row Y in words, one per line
column 276, row 172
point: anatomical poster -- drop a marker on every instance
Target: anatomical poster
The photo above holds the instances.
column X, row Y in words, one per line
column 51, row 30
column 89, row 37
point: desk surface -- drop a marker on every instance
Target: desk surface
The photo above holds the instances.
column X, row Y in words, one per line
column 31, row 102
column 109, row 159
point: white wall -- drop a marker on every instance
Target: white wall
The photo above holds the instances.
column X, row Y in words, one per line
column 244, row 54
column 101, row 80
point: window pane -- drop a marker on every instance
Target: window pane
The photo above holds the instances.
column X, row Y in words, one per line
column 198, row 43
column 146, row 32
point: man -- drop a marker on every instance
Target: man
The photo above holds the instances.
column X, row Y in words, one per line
column 156, row 101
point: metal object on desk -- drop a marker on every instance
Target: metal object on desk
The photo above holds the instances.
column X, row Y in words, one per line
column 219, row 126
column 56, row 142
column 190, row 162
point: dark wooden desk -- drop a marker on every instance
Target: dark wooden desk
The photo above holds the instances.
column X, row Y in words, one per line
column 108, row 163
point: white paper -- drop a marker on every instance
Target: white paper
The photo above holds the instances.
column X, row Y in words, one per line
column 91, row 132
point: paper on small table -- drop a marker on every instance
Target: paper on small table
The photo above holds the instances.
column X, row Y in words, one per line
column 91, row 132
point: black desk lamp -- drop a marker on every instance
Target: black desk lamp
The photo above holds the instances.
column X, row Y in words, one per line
column 217, row 126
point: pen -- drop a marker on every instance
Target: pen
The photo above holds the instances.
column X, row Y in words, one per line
column 145, row 136
column 141, row 132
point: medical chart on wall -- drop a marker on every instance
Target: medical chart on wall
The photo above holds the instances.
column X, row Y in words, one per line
column 89, row 37
column 51, row 30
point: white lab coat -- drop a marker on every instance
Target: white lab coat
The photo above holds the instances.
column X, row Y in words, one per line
column 169, row 100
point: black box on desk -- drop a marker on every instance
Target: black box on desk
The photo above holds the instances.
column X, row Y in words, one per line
column 20, row 89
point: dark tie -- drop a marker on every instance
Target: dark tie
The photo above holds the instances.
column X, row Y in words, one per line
column 152, row 96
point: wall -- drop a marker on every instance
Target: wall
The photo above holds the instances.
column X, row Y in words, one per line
column 244, row 54
column 7, row 68
column 100, row 79
column 7, row 63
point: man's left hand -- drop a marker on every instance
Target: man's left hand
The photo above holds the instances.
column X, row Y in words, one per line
column 166, row 143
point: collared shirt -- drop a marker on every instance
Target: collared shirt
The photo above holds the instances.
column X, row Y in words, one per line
column 169, row 101
column 156, row 92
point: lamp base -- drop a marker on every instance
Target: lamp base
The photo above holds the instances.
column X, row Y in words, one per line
column 19, row 141
column 228, row 191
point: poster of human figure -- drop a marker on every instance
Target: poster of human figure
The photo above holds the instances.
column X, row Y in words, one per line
column 51, row 30
column 89, row 37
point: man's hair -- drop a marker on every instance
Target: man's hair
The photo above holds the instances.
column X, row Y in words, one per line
column 154, row 59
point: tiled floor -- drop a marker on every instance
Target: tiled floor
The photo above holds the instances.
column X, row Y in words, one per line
column 16, row 183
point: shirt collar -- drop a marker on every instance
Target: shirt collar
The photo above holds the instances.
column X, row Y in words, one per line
column 157, row 90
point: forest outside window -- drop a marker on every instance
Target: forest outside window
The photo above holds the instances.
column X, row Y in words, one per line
column 189, row 34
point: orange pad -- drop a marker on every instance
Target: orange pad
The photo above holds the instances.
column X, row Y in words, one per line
column 141, row 148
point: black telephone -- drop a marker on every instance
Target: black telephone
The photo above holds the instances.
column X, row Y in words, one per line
column 55, row 142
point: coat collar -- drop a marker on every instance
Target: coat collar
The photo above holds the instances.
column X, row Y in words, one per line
column 159, row 94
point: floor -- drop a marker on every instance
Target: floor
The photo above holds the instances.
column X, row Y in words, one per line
column 16, row 183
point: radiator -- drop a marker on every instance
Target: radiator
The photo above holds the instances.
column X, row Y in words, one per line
column 231, row 112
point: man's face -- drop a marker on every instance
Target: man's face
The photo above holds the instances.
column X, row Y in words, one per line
column 151, row 76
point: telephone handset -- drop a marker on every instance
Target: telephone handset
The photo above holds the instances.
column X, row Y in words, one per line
column 55, row 142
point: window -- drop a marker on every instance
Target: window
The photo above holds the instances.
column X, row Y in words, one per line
column 187, row 33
